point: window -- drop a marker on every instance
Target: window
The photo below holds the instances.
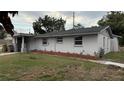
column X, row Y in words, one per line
column 59, row 39
column 44, row 41
column 78, row 40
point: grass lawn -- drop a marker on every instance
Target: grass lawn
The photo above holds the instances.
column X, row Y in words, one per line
column 115, row 56
column 47, row 67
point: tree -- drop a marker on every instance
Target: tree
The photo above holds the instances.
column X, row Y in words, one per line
column 2, row 32
column 48, row 24
column 6, row 21
column 116, row 21
column 78, row 26
column 2, row 35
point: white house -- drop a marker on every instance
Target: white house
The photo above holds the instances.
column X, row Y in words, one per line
column 86, row 41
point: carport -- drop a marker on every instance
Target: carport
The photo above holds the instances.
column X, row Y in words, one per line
column 20, row 42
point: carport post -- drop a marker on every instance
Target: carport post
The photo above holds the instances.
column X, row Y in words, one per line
column 22, row 45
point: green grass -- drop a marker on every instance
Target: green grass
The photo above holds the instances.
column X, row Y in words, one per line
column 47, row 67
column 115, row 56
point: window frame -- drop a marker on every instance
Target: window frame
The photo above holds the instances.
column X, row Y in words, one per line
column 59, row 38
column 43, row 41
column 81, row 40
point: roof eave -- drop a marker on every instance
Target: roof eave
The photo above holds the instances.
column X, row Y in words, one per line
column 67, row 35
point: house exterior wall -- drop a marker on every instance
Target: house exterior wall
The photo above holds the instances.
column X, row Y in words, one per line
column 111, row 44
column 32, row 44
column 36, row 44
column 104, row 41
column 50, row 46
column 114, row 44
column 89, row 46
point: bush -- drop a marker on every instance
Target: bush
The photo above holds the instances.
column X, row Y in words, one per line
column 10, row 48
column 4, row 48
column 101, row 52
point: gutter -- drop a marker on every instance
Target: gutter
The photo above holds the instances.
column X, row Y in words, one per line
column 66, row 35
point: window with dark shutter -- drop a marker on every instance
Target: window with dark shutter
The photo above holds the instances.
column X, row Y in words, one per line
column 59, row 39
column 78, row 40
column 44, row 41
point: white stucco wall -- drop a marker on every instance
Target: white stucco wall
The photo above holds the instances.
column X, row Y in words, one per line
column 90, row 44
column 114, row 44
column 50, row 46
column 88, row 48
column 32, row 44
column 36, row 44
column 107, row 44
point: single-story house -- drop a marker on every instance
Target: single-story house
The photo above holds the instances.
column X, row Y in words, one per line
column 85, row 41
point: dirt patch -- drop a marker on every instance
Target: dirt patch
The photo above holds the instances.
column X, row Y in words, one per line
column 35, row 73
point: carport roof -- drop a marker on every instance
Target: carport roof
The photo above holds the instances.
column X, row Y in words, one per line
column 22, row 34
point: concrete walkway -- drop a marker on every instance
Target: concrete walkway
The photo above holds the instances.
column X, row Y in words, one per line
column 108, row 63
column 113, row 63
column 4, row 54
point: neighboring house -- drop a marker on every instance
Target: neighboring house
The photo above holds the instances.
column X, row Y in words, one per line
column 4, row 42
column 86, row 41
column 8, row 37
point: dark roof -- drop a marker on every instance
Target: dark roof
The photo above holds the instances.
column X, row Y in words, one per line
column 73, row 32
column 70, row 32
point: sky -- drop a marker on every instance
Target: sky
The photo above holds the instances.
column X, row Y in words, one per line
column 23, row 21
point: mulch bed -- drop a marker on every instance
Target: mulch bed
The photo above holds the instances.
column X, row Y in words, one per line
column 66, row 54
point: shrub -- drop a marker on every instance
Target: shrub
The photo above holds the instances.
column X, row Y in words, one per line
column 101, row 52
column 10, row 48
column 4, row 48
